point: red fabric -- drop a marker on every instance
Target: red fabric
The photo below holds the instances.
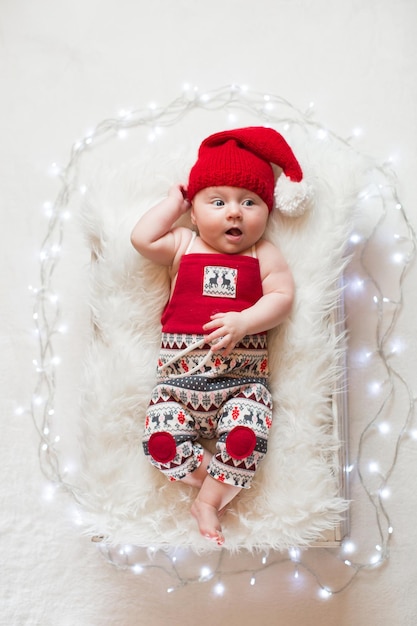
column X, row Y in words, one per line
column 162, row 447
column 240, row 442
column 242, row 158
column 189, row 308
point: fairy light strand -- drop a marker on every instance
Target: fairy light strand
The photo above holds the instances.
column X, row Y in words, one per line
column 269, row 109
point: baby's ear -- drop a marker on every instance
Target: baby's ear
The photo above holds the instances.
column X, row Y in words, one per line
column 193, row 220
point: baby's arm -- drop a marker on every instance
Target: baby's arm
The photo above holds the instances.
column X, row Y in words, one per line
column 227, row 329
column 154, row 236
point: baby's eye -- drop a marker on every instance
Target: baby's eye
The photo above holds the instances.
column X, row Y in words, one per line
column 248, row 202
column 217, row 202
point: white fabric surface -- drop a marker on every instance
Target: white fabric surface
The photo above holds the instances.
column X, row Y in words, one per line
column 64, row 67
column 296, row 495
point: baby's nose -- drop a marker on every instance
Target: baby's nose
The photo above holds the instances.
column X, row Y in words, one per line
column 234, row 209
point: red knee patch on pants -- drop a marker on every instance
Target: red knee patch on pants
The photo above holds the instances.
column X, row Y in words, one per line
column 240, row 442
column 162, row 447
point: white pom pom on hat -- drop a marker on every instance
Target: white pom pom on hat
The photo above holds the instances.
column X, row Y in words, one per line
column 243, row 158
column 292, row 198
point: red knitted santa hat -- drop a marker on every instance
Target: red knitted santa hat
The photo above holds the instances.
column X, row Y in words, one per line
column 242, row 158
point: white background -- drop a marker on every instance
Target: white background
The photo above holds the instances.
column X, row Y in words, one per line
column 65, row 66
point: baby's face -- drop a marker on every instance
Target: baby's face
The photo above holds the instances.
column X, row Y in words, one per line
column 230, row 220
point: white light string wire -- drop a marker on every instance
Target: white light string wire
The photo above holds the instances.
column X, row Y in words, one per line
column 47, row 317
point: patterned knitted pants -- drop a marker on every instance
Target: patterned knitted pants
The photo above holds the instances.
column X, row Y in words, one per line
column 228, row 401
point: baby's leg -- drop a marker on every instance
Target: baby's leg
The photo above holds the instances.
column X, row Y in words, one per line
column 213, row 497
column 198, row 476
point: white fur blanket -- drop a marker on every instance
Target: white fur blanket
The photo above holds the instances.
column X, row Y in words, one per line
column 295, row 495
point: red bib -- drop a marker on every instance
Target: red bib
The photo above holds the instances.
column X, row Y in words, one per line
column 208, row 284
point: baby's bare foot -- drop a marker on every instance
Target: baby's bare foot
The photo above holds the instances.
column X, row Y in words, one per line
column 208, row 522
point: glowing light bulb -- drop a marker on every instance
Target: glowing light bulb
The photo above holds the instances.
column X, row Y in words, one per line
column 54, row 169
column 384, row 428
column 294, row 554
column 397, row 346
column 348, row 547
column 219, row 589
column 374, row 387
column 362, row 356
column 398, row 258
column 190, row 92
column 355, row 238
column 385, row 493
column 205, row 573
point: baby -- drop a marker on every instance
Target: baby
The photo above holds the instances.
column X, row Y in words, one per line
column 229, row 286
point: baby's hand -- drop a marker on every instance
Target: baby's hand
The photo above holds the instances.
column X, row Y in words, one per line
column 227, row 330
column 178, row 193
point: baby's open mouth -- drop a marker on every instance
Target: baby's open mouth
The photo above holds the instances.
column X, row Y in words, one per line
column 235, row 232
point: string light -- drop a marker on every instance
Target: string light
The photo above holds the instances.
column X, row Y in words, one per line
column 268, row 109
column 206, row 573
column 219, row 589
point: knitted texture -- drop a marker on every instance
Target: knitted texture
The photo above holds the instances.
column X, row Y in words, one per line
column 242, row 158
